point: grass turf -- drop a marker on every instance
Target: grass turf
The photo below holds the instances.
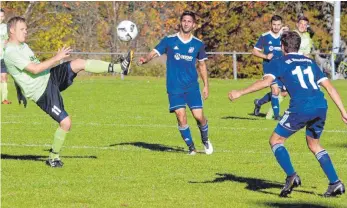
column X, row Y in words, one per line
column 124, row 150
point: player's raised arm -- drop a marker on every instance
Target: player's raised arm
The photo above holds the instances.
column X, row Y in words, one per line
column 258, row 85
column 335, row 97
column 37, row 68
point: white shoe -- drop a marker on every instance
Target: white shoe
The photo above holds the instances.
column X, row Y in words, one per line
column 208, row 147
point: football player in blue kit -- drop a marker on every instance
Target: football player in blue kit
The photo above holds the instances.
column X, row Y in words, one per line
column 183, row 50
column 268, row 48
column 308, row 108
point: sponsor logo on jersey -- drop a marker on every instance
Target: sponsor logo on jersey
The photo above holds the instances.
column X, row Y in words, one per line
column 184, row 57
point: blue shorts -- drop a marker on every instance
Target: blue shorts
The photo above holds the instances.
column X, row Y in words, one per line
column 292, row 122
column 192, row 99
column 3, row 66
column 61, row 77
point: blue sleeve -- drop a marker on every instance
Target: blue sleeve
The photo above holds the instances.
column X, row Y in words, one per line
column 202, row 53
column 161, row 47
column 319, row 76
column 260, row 44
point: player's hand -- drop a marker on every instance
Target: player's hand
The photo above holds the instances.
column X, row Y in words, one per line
column 141, row 61
column 205, row 93
column 64, row 52
column 284, row 29
column 269, row 56
column 234, row 94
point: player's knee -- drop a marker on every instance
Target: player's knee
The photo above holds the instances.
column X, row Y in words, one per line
column 314, row 147
column 276, row 139
column 78, row 65
column 66, row 124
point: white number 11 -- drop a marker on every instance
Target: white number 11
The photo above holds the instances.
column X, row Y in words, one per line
column 307, row 71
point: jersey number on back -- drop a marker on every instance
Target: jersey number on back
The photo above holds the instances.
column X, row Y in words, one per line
column 300, row 75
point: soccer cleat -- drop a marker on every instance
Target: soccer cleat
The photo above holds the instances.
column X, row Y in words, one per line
column 6, row 102
column 291, row 182
column 54, row 163
column 208, row 147
column 257, row 107
column 126, row 63
column 335, row 189
column 192, row 150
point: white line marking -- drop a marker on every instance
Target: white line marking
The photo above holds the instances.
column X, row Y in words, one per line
column 169, row 126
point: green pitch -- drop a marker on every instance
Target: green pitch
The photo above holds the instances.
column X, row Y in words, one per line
column 124, row 150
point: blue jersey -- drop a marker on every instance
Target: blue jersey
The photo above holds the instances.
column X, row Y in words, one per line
column 181, row 74
column 301, row 76
column 268, row 43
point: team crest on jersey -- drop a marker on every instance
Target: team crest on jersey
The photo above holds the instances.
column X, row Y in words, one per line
column 191, row 50
column 271, row 48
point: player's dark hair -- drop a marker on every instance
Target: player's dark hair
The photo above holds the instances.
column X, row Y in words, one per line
column 13, row 21
column 1, row 10
column 276, row 18
column 188, row 13
column 303, row 18
column 291, row 41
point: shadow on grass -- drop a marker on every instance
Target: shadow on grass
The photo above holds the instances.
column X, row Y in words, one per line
column 261, row 115
column 295, row 204
column 153, row 147
column 239, row 118
column 39, row 157
column 253, row 184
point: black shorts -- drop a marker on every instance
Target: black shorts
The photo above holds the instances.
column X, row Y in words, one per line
column 3, row 66
column 61, row 77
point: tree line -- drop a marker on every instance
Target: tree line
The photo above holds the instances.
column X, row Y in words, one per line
column 223, row 26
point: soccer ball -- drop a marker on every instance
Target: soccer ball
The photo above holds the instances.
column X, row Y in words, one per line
column 126, row 30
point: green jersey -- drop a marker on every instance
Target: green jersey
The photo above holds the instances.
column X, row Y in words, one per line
column 17, row 57
column 3, row 38
column 306, row 43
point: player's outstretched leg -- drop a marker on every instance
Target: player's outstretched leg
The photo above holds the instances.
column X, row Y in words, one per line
column 259, row 102
column 126, row 63
column 98, row 66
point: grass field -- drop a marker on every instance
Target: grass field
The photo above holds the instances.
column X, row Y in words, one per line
column 124, row 150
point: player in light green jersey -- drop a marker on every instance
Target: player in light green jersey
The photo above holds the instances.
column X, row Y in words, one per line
column 42, row 82
column 3, row 41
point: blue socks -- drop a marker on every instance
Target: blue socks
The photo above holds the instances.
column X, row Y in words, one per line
column 283, row 158
column 203, row 132
column 327, row 166
column 275, row 105
column 265, row 99
column 186, row 136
